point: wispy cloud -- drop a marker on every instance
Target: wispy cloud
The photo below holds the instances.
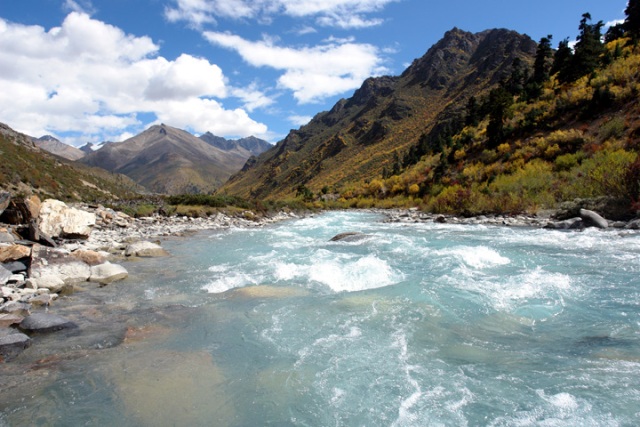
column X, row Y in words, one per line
column 311, row 73
column 332, row 13
column 91, row 78
column 299, row 120
column 80, row 6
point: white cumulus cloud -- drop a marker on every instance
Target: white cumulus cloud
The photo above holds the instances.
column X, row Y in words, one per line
column 92, row 79
column 311, row 73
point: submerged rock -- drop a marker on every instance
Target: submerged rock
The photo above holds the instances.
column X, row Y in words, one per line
column 44, row 322
column 350, row 236
column 12, row 343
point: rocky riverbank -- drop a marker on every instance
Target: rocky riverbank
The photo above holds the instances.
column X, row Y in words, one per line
column 49, row 249
column 558, row 220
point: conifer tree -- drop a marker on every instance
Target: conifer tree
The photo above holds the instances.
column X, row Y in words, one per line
column 632, row 22
column 499, row 102
column 562, row 61
column 589, row 47
column 541, row 66
column 473, row 112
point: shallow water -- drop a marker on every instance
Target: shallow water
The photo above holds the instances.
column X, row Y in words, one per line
column 412, row 325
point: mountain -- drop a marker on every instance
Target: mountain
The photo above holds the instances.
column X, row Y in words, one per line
column 90, row 147
column 59, row 148
column 167, row 160
column 255, row 146
column 26, row 169
column 362, row 136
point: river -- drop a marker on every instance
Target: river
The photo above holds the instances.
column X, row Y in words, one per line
column 404, row 325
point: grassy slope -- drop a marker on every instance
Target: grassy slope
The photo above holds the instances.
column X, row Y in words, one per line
column 26, row 169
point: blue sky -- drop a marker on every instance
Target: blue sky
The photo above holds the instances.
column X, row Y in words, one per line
column 95, row 70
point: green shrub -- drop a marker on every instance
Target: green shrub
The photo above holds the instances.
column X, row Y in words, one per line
column 612, row 129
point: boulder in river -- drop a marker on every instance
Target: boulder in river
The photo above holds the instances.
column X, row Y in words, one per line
column 145, row 249
column 350, row 236
column 592, row 219
column 108, row 273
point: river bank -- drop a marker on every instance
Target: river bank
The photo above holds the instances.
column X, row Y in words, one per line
column 49, row 250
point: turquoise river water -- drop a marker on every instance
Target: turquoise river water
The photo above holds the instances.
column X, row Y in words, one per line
column 413, row 325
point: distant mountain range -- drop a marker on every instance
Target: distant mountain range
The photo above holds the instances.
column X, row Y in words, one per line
column 164, row 159
column 168, row 160
column 361, row 136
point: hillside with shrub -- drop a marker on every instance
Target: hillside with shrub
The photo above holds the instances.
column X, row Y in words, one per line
column 472, row 129
column 26, row 169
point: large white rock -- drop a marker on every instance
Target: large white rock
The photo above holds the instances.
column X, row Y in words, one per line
column 59, row 220
column 53, row 269
column 145, row 249
column 107, row 273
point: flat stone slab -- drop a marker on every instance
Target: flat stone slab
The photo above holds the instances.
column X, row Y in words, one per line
column 44, row 322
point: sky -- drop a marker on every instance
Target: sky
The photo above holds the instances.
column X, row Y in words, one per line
column 105, row 70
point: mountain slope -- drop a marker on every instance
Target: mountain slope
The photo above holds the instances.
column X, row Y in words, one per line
column 54, row 146
column 167, row 160
column 25, row 168
column 361, row 136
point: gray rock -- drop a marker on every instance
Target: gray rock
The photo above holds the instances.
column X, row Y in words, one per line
column 15, row 266
column 348, row 237
column 633, row 225
column 15, row 307
column 572, row 223
column 5, row 199
column 592, row 219
column 12, row 343
column 44, row 322
column 5, row 275
column 6, row 237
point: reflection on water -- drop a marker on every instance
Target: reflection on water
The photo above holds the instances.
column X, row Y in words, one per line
column 427, row 324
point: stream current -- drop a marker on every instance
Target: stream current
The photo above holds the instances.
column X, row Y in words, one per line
column 407, row 325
